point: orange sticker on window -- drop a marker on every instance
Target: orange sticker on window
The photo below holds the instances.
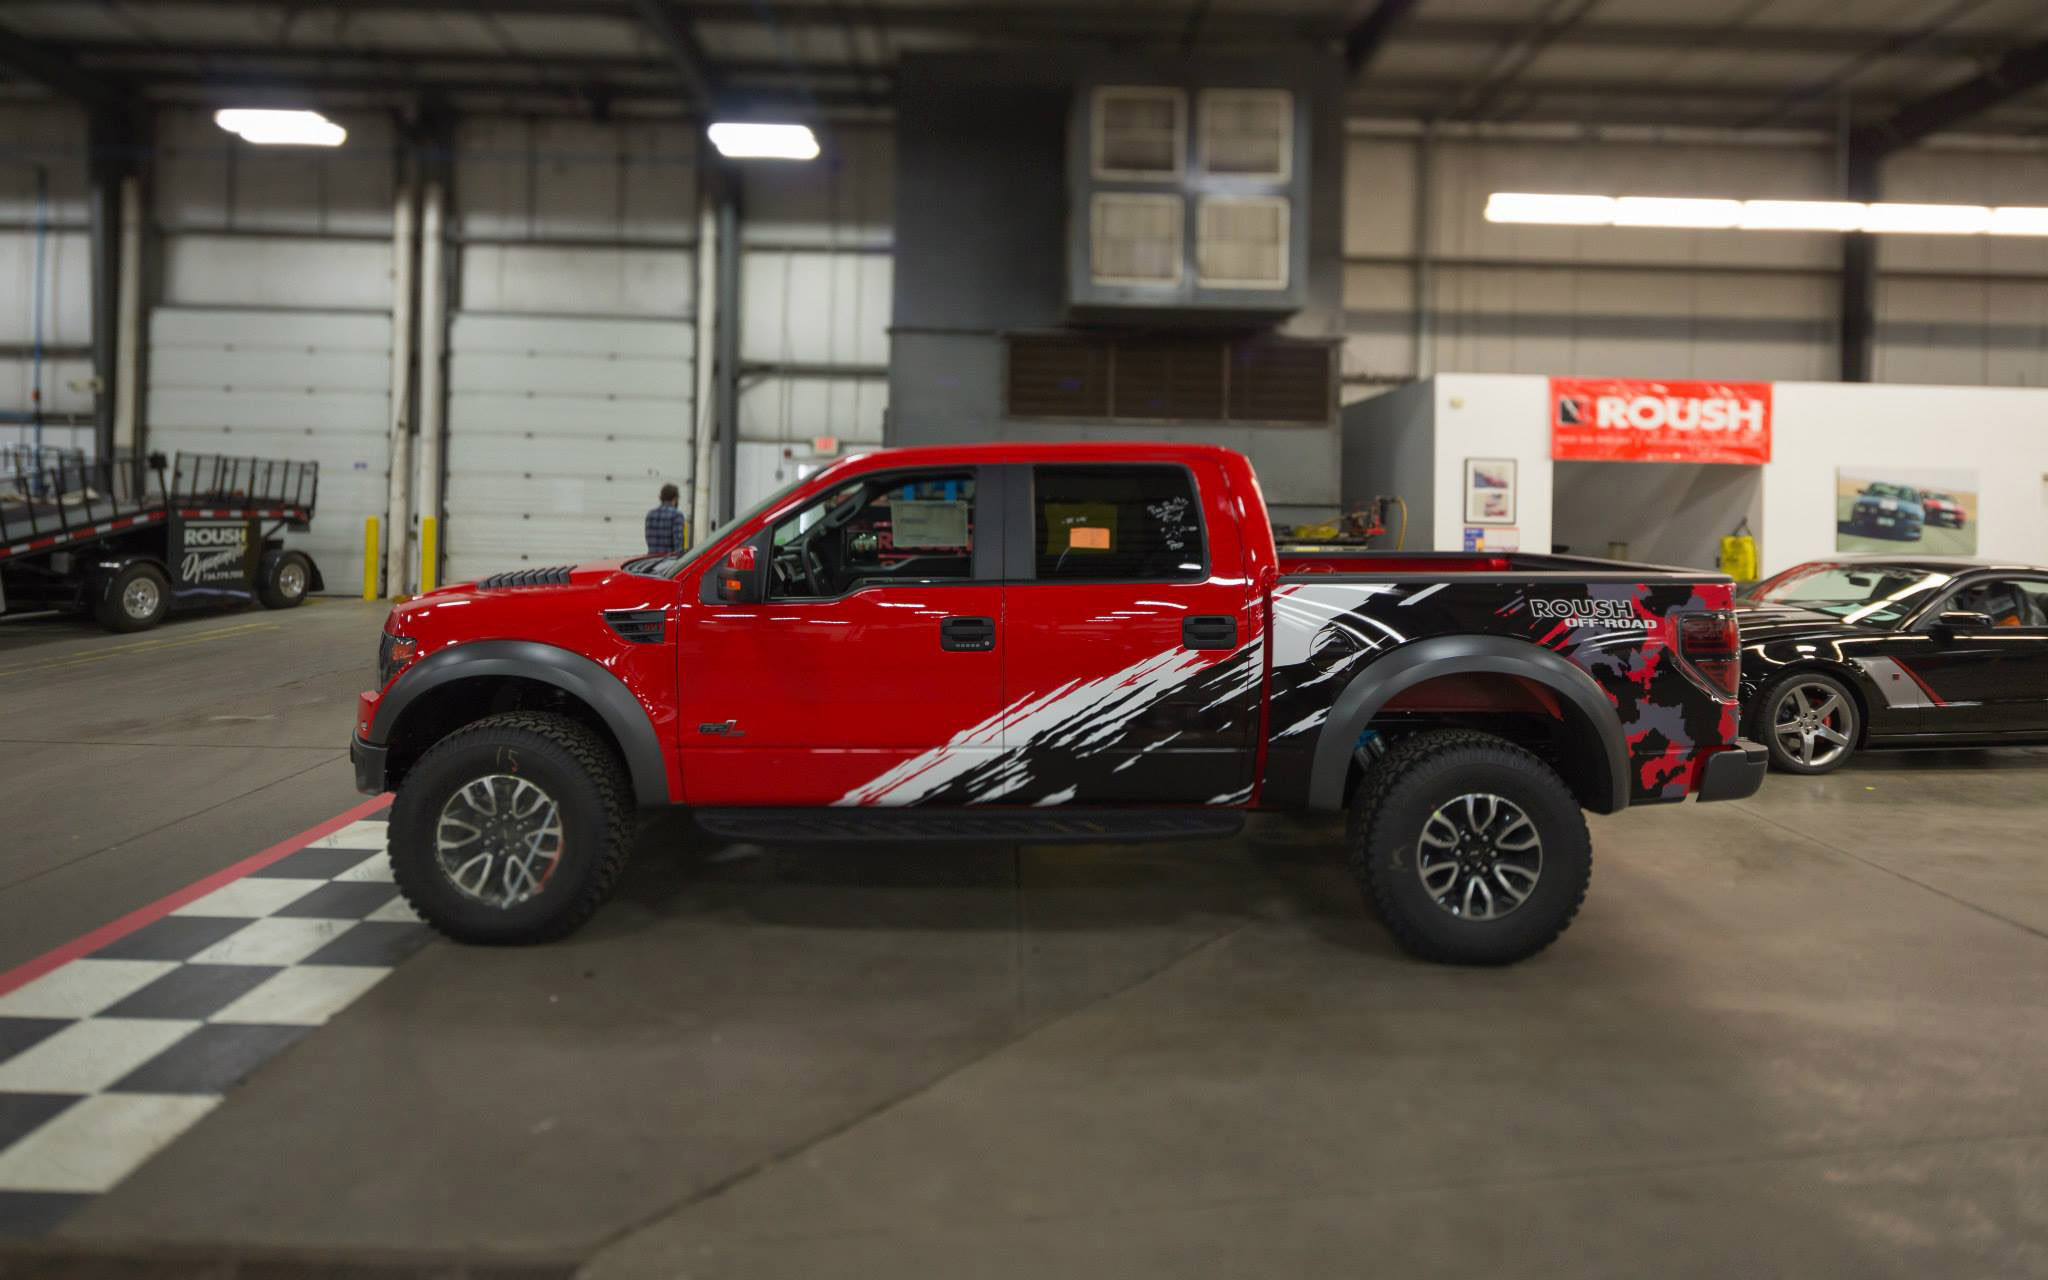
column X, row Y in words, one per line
column 1088, row 539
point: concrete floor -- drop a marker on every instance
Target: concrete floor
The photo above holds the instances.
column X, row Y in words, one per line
column 1801, row 1035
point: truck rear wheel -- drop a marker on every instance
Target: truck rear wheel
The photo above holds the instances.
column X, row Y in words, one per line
column 512, row 829
column 1472, row 850
column 285, row 581
column 136, row 600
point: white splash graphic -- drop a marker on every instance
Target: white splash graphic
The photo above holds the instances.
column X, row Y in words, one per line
column 1105, row 705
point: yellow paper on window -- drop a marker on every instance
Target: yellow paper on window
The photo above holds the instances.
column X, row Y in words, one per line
column 1079, row 526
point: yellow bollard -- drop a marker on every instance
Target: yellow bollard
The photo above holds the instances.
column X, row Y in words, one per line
column 427, row 554
column 371, row 558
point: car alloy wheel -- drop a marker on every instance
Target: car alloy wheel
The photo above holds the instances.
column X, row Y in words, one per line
column 1812, row 723
column 498, row 839
column 291, row 580
column 1479, row 856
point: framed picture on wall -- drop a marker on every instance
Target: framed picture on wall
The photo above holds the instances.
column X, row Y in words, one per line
column 1489, row 491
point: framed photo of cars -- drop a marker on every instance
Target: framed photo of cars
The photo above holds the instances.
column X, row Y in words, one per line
column 1489, row 491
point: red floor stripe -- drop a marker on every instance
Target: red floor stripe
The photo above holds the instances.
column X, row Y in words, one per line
column 86, row 944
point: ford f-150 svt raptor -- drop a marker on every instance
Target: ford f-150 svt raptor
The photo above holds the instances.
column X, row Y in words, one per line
column 1039, row 643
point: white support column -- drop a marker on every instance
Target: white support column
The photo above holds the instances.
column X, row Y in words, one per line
column 701, row 518
column 128, row 319
column 433, row 326
column 404, row 294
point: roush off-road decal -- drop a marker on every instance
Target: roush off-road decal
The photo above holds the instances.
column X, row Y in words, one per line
column 1091, row 740
column 1624, row 635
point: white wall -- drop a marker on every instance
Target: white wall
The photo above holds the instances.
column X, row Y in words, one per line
column 1677, row 304
column 2001, row 433
column 1492, row 417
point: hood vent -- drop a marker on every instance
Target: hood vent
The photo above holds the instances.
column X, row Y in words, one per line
column 636, row 626
column 555, row 577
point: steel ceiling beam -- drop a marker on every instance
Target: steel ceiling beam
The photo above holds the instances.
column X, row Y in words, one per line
column 2018, row 72
column 1363, row 40
column 692, row 67
column 26, row 60
column 1673, row 37
column 1516, row 56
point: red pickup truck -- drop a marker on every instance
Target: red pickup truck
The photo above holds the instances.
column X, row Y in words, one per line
column 1048, row 643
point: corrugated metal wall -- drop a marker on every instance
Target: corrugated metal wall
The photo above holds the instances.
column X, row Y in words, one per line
column 815, row 289
column 271, row 334
column 571, row 352
column 51, row 139
column 1661, row 303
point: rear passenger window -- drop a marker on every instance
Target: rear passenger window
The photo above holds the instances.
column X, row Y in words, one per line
column 1095, row 523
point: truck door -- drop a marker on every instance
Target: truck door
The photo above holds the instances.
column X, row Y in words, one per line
column 862, row 676
column 1131, row 664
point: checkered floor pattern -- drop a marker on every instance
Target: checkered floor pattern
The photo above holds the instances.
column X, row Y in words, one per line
column 106, row 1059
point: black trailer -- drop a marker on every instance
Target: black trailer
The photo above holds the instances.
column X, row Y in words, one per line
column 129, row 539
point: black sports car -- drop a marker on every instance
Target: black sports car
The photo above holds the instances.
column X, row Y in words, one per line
column 1879, row 651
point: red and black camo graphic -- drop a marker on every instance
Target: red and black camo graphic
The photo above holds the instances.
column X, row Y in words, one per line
column 1623, row 634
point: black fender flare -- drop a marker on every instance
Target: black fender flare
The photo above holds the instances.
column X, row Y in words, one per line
column 97, row 580
column 1411, row 664
column 570, row 672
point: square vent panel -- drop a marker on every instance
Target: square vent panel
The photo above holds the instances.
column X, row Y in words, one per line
column 1241, row 242
column 1140, row 134
column 1135, row 238
column 1248, row 133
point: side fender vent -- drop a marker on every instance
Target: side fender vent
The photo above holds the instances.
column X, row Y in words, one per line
column 555, row 577
column 637, row 626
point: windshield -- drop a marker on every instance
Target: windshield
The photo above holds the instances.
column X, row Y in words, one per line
column 1874, row 595
column 671, row 565
column 1891, row 491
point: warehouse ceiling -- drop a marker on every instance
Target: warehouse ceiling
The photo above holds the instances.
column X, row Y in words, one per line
column 1747, row 64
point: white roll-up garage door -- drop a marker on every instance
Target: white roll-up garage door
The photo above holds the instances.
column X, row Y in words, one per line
column 561, row 432
column 309, row 386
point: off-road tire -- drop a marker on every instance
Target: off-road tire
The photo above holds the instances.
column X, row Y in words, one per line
column 112, row 611
column 272, row 592
column 568, row 761
column 1406, row 786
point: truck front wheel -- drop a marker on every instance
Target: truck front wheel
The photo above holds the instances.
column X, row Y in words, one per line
column 512, row 829
column 1471, row 849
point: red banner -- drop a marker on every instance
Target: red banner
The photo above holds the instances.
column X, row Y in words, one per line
column 1631, row 420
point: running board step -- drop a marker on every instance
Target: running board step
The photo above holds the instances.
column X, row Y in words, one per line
column 1023, row 826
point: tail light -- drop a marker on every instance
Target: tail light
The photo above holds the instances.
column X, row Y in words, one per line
column 1711, row 645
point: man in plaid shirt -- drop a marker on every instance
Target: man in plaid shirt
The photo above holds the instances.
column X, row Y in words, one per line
column 667, row 529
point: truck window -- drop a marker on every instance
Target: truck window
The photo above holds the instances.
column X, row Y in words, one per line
column 898, row 527
column 1129, row 523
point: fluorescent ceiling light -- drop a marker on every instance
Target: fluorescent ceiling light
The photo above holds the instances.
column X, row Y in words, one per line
column 1802, row 215
column 1929, row 219
column 281, row 128
column 1570, row 211
column 1699, row 213
column 1664, row 211
column 2018, row 220
column 749, row 141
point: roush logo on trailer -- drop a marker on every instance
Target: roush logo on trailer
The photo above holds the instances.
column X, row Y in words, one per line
column 1630, row 420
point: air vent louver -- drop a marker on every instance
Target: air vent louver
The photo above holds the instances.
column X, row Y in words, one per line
column 636, row 626
column 555, row 577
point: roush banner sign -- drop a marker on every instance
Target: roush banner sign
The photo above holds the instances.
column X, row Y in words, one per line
column 1630, row 420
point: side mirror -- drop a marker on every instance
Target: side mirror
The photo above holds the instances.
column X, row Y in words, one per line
column 738, row 580
column 1955, row 620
